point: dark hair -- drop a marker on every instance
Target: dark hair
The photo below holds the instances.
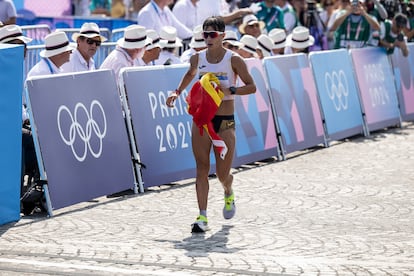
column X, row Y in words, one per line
column 400, row 19
column 216, row 22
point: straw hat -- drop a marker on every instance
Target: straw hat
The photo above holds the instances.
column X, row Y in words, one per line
column 169, row 39
column 89, row 30
column 135, row 37
column 155, row 40
column 250, row 19
column 231, row 37
column 249, row 44
column 279, row 38
column 265, row 44
column 55, row 44
column 12, row 32
column 300, row 38
column 197, row 41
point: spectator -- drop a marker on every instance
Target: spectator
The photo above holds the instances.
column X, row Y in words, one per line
column 231, row 42
column 353, row 27
column 264, row 47
column 289, row 15
column 8, row 13
column 251, row 26
column 133, row 7
column 197, row 44
column 128, row 49
column 81, row 8
column 271, row 14
column 102, row 7
column 156, row 14
column 376, row 9
column 392, row 34
column 278, row 37
column 56, row 53
column 169, row 44
column 299, row 41
column 186, row 12
column 249, row 46
column 207, row 8
column 118, row 9
column 152, row 50
column 88, row 41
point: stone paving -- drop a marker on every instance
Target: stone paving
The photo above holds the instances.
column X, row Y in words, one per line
column 342, row 210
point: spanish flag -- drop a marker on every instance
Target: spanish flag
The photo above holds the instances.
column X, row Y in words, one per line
column 203, row 101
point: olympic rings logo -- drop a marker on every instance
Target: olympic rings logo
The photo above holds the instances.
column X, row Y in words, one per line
column 84, row 132
column 336, row 85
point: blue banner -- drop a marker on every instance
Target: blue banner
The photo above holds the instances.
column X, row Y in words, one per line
column 162, row 134
column 83, row 141
column 338, row 93
column 256, row 135
column 11, row 81
column 293, row 90
column 404, row 81
column 376, row 87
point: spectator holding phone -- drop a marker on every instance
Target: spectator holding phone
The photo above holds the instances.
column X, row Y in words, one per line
column 392, row 35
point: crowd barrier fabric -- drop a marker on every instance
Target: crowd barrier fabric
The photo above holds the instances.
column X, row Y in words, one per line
column 338, row 93
column 295, row 99
column 79, row 125
column 404, row 81
column 162, row 134
column 256, row 135
column 11, row 61
column 376, row 87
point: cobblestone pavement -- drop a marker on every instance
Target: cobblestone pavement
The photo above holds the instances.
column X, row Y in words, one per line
column 342, row 210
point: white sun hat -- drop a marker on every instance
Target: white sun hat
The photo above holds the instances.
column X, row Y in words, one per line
column 89, row 30
column 197, row 41
column 55, row 44
column 135, row 37
column 155, row 40
column 265, row 44
column 300, row 38
column 279, row 38
column 250, row 19
column 169, row 39
column 249, row 44
column 231, row 37
column 12, row 32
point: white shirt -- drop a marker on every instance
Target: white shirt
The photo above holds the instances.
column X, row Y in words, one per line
column 186, row 12
column 152, row 17
column 186, row 55
column 208, row 8
column 7, row 10
column 117, row 60
column 44, row 67
column 77, row 63
column 165, row 56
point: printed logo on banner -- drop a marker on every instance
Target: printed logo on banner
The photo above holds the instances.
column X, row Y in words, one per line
column 336, row 86
column 84, row 125
column 374, row 75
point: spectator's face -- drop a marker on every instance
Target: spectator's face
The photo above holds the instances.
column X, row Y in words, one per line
column 88, row 46
column 253, row 29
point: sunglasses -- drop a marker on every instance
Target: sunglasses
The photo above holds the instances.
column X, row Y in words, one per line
column 212, row 34
column 91, row 41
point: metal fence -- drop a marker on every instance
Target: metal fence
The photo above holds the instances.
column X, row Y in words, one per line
column 36, row 32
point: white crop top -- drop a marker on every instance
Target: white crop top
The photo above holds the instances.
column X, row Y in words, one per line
column 221, row 70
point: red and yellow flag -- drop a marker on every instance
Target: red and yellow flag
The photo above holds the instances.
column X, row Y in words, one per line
column 203, row 101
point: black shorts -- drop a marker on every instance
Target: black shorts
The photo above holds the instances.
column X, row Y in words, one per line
column 222, row 122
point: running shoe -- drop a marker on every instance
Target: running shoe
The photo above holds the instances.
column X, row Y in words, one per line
column 229, row 206
column 200, row 225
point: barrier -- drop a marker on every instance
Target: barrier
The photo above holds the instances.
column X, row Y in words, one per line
column 403, row 69
column 81, row 140
column 295, row 99
column 36, row 32
column 338, row 94
column 11, row 61
column 377, row 90
column 255, row 125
